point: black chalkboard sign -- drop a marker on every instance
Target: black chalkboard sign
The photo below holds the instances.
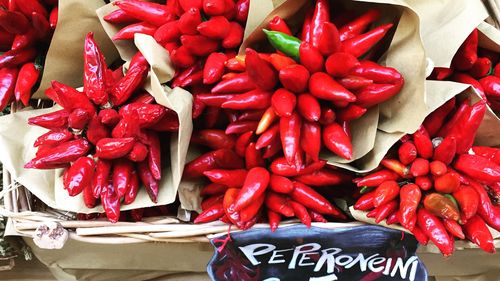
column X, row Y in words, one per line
column 364, row 253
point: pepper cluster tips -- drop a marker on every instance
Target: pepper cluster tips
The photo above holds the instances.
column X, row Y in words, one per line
column 437, row 183
column 108, row 138
column 26, row 27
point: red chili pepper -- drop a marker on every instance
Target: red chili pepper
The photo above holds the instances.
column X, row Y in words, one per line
column 281, row 62
column 213, row 213
column 122, row 170
column 394, row 218
column 407, row 153
column 313, row 200
column 71, row 99
column 294, row 78
column 435, row 230
column 78, row 119
column 253, row 157
column 488, row 212
column 310, row 139
column 453, row 228
column 154, row 154
column 409, row 196
column 110, row 203
column 466, row 55
column 337, row 141
column 29, row 6
column 491, row 153
column 60, row 155
column 476, row 231
column 96, row 131
column 14, row 22
column 94, row 78
column 324, row 177
column 88, row 198
column 189, row 21
column 213, row 189
column 199, row 45
column 215, row 139
column 320, row 15
column 124, row 88
column 278, row 203
column 424, row 182
column 278, row 24
column 26, row 80
column 305, row 34
column 311, row 58
column 240, row 127
column 254, row 186
column 79, row 176
column 242, row 7
column 181, row 57
column 435, row 120
column 168, row 32
column 17, row 57
column 491, row 86
column 283, row 102
column 214, row 68
column 441, row 206
column 261, row 72
column 232, row 178
column 467, row 79
column 8, row 78
column 254, row 99
column 358, row 25
column 266, row 120
column 421, row 237
column 281, row 167
column 419, row 167
column 351, row 112
column 360, row 44
column 423, row 143
column 440, row 73
column 481, row 67
column 127, row 33
column 323, row 86
column 109, row 116
column 216, row 7
column 280, row 184
column 438, row 168
column 447, row 183
column 234, row 37
column 446, row 150
column 478, row 167
column 385, row 193
column 112, row 148
column 365, row 202
column 374, row 94
column 132, row 188
column 53, row 138
column 41, row 25
column 100, row 179
column 301, row 213
column 329, row 40
column 461, row 111
column 327, row 115
column 376, row 178
column 150, row 183
column 238, row 84
column 309, row 107
column 118, row 16
column 377, row 73
column 152, row 13
column 242, row 142
column 290, row 136
column 383, row 211
column 274, row 219
column 396, row 166
column 24, row 41
column 215, row 28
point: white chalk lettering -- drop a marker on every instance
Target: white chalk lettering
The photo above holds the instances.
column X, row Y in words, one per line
column 328, row 257
column 343, row 260
column 276, row 254
column 388, row 266
column 372, row 263
column 404, row 266
column 300, row 250
column 250, row 251
column 361, row 260
column 305, row 257
column 331, row 277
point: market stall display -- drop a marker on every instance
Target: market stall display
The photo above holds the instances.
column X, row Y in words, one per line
column 224, row 116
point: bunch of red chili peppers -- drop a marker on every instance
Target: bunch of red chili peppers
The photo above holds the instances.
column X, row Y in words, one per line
column 26, row 27
column 280, row 110
column 114, row 121
column 476, row 66
column 192, row 32
column 437, row 185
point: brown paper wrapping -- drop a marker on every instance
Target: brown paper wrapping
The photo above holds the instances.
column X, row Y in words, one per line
column 405, row 53
column 64, row 61
column 445, row 25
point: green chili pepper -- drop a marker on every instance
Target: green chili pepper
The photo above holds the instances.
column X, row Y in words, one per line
column 284, row 43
